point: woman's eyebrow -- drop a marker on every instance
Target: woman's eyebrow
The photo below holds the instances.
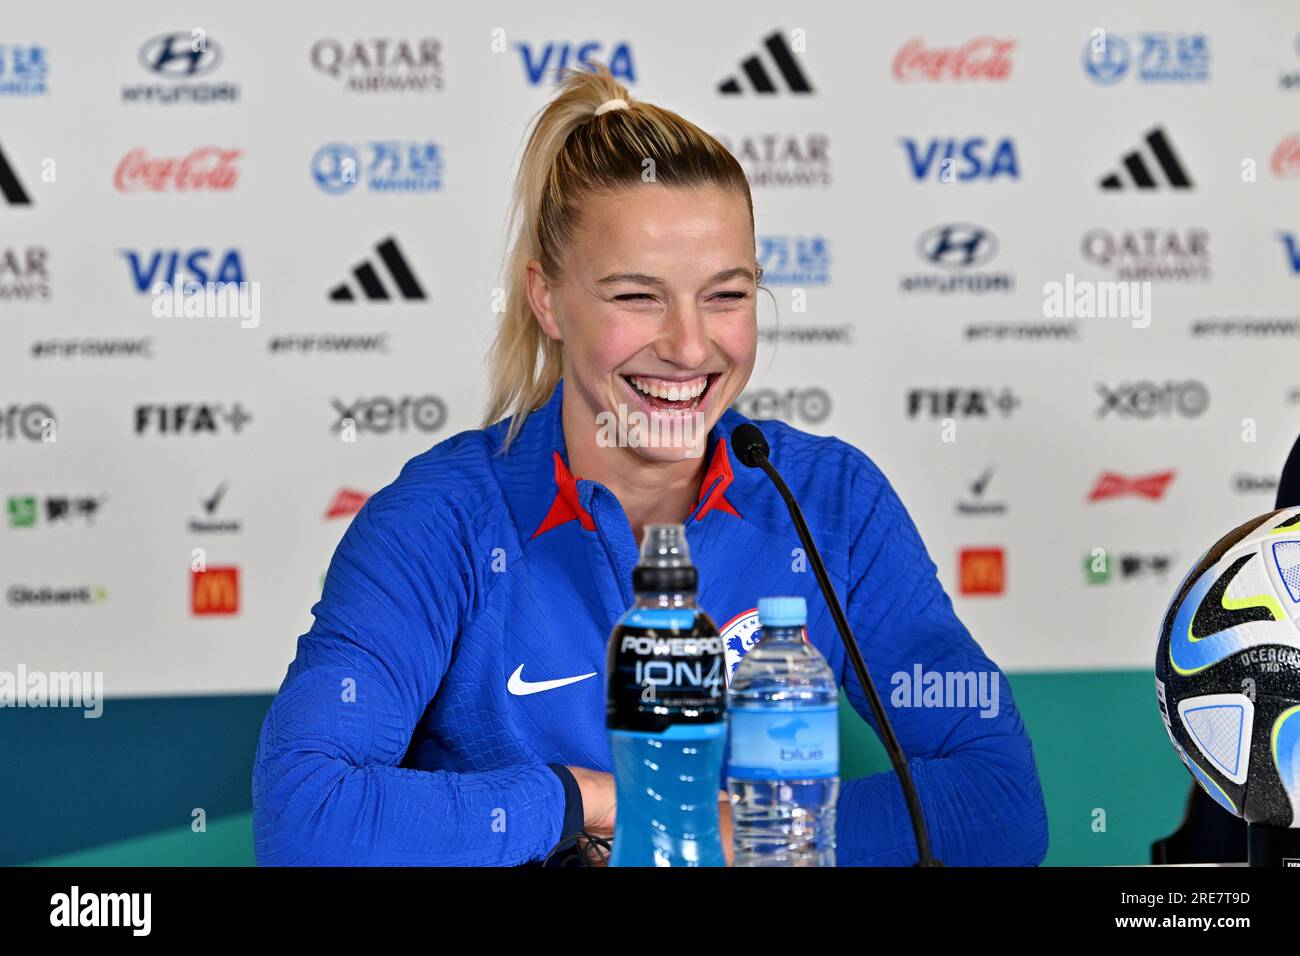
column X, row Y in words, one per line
column 736, row 272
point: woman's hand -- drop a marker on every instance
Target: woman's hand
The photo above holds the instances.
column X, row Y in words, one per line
column 599, row 797
column 725, row 828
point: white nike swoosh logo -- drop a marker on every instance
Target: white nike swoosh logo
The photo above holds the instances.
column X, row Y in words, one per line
column 522, row 688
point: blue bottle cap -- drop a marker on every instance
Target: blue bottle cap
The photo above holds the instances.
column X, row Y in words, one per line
column 782, row 612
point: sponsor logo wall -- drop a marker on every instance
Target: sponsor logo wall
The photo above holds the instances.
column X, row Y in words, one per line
column 1045, row 276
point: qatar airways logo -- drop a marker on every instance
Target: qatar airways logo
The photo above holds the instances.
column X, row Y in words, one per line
column 983, row 58
column 205, row 169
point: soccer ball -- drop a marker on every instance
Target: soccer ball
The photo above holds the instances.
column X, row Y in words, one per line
column 1228, row 670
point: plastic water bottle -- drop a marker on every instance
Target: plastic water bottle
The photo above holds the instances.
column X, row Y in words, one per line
column 666, row 703
column 783, row 774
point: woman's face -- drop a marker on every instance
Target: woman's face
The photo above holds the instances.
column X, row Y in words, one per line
column 656, row 309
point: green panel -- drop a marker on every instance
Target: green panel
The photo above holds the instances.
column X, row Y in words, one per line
column 227, row 842
column 110, row 792
column 1100, row 746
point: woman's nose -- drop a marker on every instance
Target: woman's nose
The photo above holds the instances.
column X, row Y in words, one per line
column 684, row 341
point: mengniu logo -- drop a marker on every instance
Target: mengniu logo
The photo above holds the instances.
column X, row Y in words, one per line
column 1113, row 485
column 215, row 591
column 24, row 510
column 772, row 70
column 547, row 62
column 175, row 61
column 24, row 69
column 201, row 265
column 961, row 160
column 981, row 571
column 1140, row 173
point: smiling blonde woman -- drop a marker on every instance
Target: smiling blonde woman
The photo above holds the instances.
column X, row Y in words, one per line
column 447, row 705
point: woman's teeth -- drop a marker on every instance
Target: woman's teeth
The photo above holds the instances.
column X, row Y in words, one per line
column 670, row 391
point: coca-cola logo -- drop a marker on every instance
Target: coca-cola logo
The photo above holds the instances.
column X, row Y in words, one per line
column 208, row 168
column 1286, row 158
column 983, row 58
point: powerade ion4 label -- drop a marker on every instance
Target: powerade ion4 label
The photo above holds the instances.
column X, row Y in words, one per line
column 666, row 667
column 784, row 745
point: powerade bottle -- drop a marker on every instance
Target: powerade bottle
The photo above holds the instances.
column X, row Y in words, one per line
column 666, row 714
column 783, row 775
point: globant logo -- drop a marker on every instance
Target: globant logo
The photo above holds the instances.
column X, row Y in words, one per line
column 22, row 595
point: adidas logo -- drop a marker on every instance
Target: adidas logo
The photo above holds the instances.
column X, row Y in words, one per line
column 760, row 79
column 372, row 287
column 1140, row 172
column 10, row 187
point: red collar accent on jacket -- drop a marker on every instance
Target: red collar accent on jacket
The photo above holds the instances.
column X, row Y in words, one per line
column 566, row 507
column 719, row 472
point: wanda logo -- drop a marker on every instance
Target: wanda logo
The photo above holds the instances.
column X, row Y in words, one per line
column 1286, row 158
column 207, row 168
column 983, row 58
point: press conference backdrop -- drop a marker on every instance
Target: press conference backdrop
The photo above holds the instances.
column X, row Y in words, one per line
column 1040, row 262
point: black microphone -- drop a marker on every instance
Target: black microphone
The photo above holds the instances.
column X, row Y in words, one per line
column 751, row 448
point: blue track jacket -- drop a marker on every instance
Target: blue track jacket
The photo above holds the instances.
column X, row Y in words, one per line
column 457, row 657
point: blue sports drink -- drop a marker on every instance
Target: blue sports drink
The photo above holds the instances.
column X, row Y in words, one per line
column 783, row 775
column 666, row 714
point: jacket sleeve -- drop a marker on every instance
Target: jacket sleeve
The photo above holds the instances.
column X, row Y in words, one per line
column 327, row 786
column 973, row 764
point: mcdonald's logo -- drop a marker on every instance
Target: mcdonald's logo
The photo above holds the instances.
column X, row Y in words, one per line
column 215, row 591
column 981, row 571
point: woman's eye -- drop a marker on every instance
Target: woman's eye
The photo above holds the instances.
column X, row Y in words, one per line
column 733, row 296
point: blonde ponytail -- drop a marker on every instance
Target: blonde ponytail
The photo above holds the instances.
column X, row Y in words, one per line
column 577, row 148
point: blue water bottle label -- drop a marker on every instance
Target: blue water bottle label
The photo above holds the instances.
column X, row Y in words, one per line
column 784, row 744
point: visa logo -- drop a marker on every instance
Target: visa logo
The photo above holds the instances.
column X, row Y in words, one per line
column 1292, row 250
column 193, row 265
column 961, row 160
column 553, row 58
